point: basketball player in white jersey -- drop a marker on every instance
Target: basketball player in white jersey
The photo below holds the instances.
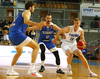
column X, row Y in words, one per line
column 69, row 45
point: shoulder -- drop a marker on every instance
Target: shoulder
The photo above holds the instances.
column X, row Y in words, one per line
column 26, row 12
column 80, row 29
column 66, row 29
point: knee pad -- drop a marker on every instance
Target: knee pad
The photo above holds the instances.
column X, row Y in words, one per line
column 57, row 57
column 42, row 47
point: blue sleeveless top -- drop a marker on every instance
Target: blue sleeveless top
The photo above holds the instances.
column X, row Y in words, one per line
column 18, row 24
column 46, row 33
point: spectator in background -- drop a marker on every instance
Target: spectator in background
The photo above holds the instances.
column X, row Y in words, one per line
column 3, row 3
column 10, row 21
column 7, row 2
column 1, row 33
column 5, row 21
column 11, row 2
column 6, row 39
column 97, row 21
column 32, row 34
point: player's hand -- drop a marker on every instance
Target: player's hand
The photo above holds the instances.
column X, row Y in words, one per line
column 11, row 25
column 42, row 23
column 54, row 41
column 64, row 37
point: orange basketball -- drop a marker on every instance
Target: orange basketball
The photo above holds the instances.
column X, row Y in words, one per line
column 81, row 44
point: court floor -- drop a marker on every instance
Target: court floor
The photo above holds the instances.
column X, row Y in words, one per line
column 79, row 72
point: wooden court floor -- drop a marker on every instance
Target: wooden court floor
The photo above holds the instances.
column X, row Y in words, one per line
column 79, row 72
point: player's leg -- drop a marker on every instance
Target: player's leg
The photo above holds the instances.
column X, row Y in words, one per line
column 56, row 54
column 35, row 48
column 66, row 48
column 69, row 59
column 51, row 46
column 85, row 63
column 15, row 58
column 42, row 47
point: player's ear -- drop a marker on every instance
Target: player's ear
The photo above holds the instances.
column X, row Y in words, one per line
column 30, row 8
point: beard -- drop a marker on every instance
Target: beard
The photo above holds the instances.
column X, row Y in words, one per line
column 48, row 22
column 31, row 11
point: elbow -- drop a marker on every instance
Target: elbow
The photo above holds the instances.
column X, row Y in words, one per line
column 25, row 22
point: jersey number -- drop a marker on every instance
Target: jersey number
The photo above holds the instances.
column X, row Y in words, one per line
column 71, row 39
column 47, row 36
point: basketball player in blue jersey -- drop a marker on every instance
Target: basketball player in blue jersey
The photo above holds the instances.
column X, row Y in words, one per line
column 45, row 40
column 18, row 39
column 69, row 45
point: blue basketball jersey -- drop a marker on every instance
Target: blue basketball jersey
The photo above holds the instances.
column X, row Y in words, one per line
column 18, row 24
column 46, row 36
column 16, row 34
column 46, row 33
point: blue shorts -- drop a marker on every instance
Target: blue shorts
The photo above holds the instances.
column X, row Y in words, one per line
column 48, row 44
column 17, row 37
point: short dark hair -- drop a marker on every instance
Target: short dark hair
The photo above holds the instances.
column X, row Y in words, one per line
column 49, row 14
column 28, row 4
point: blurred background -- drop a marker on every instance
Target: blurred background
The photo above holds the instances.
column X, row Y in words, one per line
column 63, row 13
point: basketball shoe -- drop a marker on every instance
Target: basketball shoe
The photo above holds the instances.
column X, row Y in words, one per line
column 60, row 71
column 42, row 69
column 12, row 72
column 69, row 70
column 33, row 72
column 91, row 74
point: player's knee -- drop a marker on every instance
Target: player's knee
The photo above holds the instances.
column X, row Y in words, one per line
column 70, row 55
column 57, row 57
column 80, row 56
column 37, row 47
column 19, row 50
column 42, row 47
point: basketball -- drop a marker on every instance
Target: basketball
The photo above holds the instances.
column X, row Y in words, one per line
column 81, row 44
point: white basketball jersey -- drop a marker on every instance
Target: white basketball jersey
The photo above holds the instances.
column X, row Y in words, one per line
column 72, row 35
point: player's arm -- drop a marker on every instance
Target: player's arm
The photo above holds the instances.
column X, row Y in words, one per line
column 11, row 24
column 56, row 27
column 64, row 30
column 26, row 15
column 39, row 26
column 82, row 35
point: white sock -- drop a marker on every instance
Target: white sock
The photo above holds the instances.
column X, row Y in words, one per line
column 69, row 66
column 58, row 67
column 32, row 65
column 89, row 70
column 42, row 63
column 11, row 67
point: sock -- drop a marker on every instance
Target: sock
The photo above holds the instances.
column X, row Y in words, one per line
column 89, row 70
column 58, row 67
column 69, row 66
column 32, row 65
column 42, row 63
column 11, row 67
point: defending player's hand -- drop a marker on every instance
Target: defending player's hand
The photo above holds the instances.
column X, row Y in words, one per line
column 42, row 23
column 64, row 37
column 54, row 41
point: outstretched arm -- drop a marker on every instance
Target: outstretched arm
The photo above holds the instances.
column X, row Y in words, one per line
column 64, row 30
column 38, row 26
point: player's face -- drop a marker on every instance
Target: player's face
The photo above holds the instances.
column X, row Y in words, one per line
column 76, row 24
column 32, row 9
column 48, row 19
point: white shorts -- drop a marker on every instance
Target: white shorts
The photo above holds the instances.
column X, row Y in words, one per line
column 72, row 47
